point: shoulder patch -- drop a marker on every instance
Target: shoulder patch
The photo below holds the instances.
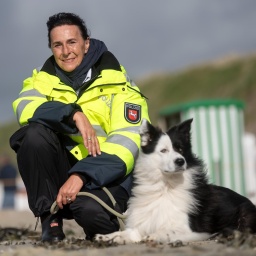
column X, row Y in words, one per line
column 132, row 113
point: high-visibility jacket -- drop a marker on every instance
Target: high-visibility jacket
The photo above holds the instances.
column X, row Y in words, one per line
column 112, row 103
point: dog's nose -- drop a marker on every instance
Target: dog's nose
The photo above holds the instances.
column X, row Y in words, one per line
column 179, row 162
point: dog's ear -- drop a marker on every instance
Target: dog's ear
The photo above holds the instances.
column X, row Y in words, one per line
column 183, row 129
column 145, row 127
column 185, row 126
column 147, row 132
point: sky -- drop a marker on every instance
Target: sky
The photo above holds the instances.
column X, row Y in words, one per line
column 146, row 36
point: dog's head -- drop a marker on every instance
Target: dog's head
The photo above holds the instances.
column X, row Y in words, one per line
column 170, row 152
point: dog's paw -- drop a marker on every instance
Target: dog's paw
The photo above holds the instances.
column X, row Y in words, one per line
column 100, row 237
column 111, row 238
column 157, row 238
column 150, row 238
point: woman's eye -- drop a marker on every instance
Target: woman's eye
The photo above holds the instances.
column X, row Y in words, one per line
column 164, row 150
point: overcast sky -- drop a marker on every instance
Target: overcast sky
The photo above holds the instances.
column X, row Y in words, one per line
column 147, row 36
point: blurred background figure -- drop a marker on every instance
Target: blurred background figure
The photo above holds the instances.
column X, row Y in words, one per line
column 8, row 175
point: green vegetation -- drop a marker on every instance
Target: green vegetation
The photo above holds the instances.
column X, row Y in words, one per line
column 232, row 79
column 5, row 133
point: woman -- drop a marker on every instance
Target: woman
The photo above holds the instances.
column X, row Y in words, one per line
column 79, row 117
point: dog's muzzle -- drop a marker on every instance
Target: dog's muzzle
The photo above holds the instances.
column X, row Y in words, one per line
column 180, row 164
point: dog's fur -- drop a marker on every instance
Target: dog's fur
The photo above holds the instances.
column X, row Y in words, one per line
column 172, row 199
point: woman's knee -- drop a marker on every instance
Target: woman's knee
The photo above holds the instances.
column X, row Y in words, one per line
column 85, row 209
column 92, row 217
column 38, row 136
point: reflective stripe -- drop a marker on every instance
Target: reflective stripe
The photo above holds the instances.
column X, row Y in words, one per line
column 125, row 142
column 129, row 80
column 24, row 103
column 39, row 69
column 134, row 129
column 21, row 107
column 32, row 92
column 112, row 98
column 99, row 132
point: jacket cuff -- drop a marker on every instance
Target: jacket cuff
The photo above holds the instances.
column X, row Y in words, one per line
column 70, row 120
column 83, row 178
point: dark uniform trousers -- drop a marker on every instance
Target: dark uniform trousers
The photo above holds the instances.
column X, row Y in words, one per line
column 43, row 163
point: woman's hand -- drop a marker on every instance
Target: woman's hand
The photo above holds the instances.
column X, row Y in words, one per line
column 89, row 136
column 69, row 190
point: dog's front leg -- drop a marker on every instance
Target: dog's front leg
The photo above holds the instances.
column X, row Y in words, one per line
column 121, row 237
column 160, row 236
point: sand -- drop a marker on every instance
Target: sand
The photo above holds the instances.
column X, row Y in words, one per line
column 75, row 244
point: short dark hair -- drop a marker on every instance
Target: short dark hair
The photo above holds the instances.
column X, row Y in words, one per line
column 65, row 18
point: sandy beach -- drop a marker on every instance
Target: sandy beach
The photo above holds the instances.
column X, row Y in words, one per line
column 29, row 242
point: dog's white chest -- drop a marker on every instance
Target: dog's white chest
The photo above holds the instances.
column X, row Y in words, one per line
column 157, row 212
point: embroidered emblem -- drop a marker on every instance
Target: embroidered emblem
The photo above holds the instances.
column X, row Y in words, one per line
column 132, row 113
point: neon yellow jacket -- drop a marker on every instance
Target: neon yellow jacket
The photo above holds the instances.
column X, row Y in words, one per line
column 111, row 102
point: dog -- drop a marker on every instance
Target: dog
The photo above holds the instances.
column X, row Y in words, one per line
column 172, row 198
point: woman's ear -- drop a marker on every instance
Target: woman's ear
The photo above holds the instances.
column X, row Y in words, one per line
column 86, row 45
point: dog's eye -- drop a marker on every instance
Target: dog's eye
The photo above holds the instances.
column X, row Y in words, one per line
column 180, row 150
column 178, row 147
column 164, row 150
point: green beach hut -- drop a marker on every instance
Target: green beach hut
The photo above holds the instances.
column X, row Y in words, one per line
column 217, row 130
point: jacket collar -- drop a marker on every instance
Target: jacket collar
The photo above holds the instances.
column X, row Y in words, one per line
column 106, row 61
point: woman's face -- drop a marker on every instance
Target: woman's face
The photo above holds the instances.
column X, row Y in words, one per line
column 68, row 46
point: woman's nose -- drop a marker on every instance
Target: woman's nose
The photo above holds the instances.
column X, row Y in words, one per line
column 65, row 50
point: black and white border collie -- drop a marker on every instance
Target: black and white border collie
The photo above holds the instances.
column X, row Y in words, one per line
column 172, row 199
